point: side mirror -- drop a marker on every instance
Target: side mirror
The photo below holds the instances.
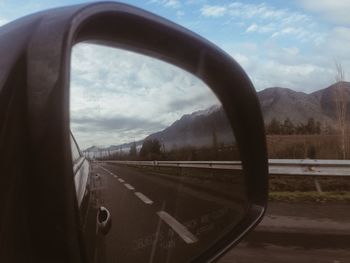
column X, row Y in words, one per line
column 36, row 157
column 104, row 220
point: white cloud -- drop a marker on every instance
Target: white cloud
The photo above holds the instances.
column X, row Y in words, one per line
column 299, row 32
column 265, row 19
column 306, row 77
column 252, row 28
column 180, row 13
column 262, row 28
column 336, row 47
column 128, row 95
column 338, row 39
column 262, row 11
column 3, row 21
column 168, row 3
column 291, row 51
column 335, row 10
column 270, row 65
column 213, row 10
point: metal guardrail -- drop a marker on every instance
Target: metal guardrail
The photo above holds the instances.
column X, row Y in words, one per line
column 292, row 167
column 219, row 165
column 277, row 167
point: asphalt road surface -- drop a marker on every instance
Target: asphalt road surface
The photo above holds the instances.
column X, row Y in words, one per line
column 158, row 217
column 297, row 232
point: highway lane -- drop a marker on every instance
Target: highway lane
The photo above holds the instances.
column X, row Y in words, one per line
column 297, row 232
column 156, row 218
column 144, row 205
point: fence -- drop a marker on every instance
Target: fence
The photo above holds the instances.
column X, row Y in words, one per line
column 280, row 167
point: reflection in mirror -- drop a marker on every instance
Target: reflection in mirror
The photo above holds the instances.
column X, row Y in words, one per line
column 162, row 154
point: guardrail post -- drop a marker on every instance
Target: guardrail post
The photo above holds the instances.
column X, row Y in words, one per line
column 318, row 185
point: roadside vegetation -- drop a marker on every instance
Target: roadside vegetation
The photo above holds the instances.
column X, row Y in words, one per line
column 311, row 196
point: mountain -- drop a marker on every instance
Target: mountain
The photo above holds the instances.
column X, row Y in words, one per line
column 282, row 103
column 327, row 99
column 208, row 126
column 200, row 128
column 92, row 149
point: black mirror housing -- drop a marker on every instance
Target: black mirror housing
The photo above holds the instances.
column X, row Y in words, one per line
column 34, row 120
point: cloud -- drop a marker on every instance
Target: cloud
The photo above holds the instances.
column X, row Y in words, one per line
column 266, row 19
column 306, row 77
column 180, row 13
column 336, row 11
column 338, row 40
column 3, row 21
column 115, row 123
column 115, row 91
column 167, row 3
column 253, row 27
column 213, row 10
column 265, row 12
column 270, row 65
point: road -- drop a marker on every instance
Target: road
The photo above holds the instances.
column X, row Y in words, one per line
column 164, row 218
column 297, row 232
column 157, row 218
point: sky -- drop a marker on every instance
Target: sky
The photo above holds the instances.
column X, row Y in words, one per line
column 290, row 44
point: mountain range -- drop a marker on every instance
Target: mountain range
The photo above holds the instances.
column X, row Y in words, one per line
column 202, row 128
column 282, row 103
column 197, row 129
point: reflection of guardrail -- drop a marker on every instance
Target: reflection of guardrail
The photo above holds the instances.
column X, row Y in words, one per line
column 302, row 167
column 281, row 167
column 222, row 165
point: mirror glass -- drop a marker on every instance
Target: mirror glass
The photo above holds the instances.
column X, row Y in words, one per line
column 162, row 157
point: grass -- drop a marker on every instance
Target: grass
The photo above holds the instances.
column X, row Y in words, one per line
column 311, row 196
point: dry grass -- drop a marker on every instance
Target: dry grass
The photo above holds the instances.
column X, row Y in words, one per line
column 343, row 197
column 304, row 146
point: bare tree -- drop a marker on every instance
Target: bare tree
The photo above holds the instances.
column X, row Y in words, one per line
column 341, row 100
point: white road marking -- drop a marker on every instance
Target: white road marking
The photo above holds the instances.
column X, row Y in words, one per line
column 130, row 187
column 121, row 180
column 105, row 169
column 144, row 198
column 114, row 175
column 180, row 229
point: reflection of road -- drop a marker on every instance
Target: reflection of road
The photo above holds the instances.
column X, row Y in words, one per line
column 157, row 219
column 297, row 233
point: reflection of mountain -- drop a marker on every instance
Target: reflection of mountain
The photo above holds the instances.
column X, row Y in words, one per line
column 200, row 128
column 92, row 149
column 282, row 103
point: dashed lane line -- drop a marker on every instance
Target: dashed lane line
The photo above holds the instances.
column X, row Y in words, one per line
column 141, row 196
column 114, row 175
column 130, row 187
column 180, row 229
column 144, row 198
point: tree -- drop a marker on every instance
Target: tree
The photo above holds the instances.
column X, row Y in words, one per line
column 215, row 140
column 311, row 126
column 318, row 127
column 215, row 145
column 341, row 107
column 133, row 151
column 150, row 150
column 288, row 127
column 274, row 127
